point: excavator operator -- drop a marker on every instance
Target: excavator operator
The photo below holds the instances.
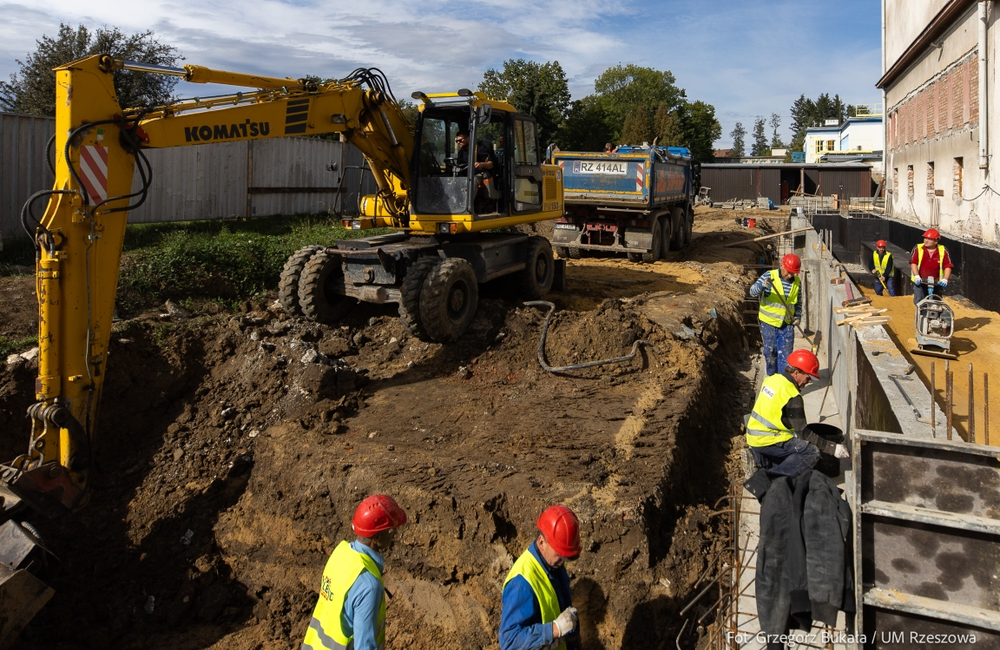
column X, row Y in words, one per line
column 486, row 167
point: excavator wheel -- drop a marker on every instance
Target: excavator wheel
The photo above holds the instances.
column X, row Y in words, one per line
column 288, row 284
column 318, row 300
column 448, row 300
column 653, row 253
column 409, row 304
column 536, row 279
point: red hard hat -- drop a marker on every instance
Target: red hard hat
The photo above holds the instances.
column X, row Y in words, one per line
column 791, row 263
column 932, row 234
column 375, row 514
column 561, row 530
column 880, row 243
column 805, row 361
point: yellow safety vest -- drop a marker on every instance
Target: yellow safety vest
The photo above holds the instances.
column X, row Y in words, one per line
column 772, row 310
column 326, row 631
column 528, row 567
column 881, row 264
column 920, row 259
column 765, row 426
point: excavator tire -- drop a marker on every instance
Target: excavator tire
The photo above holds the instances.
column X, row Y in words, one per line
column 656, row 246
column 409, row 304
column 316, row 297
column 536, row 279
column 288, row 284
column 448, row 300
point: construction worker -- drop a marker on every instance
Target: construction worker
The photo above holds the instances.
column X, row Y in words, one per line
column 929, row 262
column 776, row 430
column 350, row 611
column 780, row 310
column 536, row 604
column 881, row 266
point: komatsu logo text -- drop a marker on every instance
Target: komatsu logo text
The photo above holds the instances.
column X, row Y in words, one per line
column 247, row 129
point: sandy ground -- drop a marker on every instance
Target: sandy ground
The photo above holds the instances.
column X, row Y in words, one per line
column 976, row 342
column 233, row 448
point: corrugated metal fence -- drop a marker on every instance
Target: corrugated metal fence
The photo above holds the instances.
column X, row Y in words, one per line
column 232, row 179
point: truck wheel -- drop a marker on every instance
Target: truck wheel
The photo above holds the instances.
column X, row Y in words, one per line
column 562, row 251
column 575, row 253
column 679, row 240
column 318, row 300
column 288, row 284
column 536, row 279
column 653, row 253
column 409, row 304
column 668, row 228
column 688, row 225
column 635, row 257
column 448, row 300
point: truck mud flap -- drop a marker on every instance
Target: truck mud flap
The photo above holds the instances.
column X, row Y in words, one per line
column 637, row 240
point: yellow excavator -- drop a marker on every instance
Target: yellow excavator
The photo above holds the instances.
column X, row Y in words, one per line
column 429, row 192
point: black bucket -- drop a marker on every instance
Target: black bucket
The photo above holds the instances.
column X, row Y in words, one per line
column 828, row 463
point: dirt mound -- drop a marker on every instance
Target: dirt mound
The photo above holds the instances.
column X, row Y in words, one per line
column 233, row 450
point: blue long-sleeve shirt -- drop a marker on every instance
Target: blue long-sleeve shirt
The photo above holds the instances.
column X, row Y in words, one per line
column 758, row 289
column 521, row 626
column 360, row 613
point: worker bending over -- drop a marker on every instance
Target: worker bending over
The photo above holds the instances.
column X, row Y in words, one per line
column 536, row 605
column 929, row 262
column 780, row 310
column 881, row 266
column 777, row 432
column 350, row 611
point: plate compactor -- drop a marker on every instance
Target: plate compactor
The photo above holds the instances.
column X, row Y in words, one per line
column 934, row 323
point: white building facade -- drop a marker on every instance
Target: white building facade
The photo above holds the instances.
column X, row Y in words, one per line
column 939, row 89
column 862, row 136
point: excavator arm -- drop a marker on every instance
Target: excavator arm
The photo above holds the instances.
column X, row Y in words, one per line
column 78, row 243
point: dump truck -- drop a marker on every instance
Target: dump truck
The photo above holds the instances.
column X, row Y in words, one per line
column 637, row 200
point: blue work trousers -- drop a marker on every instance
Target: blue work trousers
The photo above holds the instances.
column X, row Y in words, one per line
column 788, row 458
column 890, row 284
column 777, row 343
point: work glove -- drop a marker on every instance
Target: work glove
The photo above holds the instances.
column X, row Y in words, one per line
column 841, row 452
column 915, row 279
column 566, row 622
column 795, row 321
column 942, row 282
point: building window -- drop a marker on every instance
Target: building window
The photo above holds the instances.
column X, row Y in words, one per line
column 895, row 179
column 830, row 145
column 930, row 180
column 819, row 146
column 956, row 180
column 909, row 181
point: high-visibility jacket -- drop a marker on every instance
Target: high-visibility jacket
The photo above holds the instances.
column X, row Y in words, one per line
column 528, row 567
column 765, row 426
column 920, row 259
column 772, row 310
column 880, row 265
column 326, row 632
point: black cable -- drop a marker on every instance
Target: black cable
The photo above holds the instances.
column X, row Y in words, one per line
column 49, row 150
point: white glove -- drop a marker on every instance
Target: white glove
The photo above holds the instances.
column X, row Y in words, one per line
column 942, row 282
column 841, row 452
column 566, row 622
column 915, row 279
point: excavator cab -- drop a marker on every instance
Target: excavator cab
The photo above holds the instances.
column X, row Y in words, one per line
column 447, row 188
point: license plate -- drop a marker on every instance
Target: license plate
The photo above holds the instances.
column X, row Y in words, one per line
column 600, row 167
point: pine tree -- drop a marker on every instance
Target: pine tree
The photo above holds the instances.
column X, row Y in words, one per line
column 738, row 134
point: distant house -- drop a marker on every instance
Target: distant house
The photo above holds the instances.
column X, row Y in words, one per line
column 939, row 68
column 858, row 139
column 723, row 156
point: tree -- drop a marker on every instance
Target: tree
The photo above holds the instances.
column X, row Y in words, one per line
column 737, row 134
column 32, row 91
column 807, row 113
column 701, row 129
column 760, row 147
column 585, row 127
column 540, row 90
column 621, row 90
column 636, row 129
column 667, row 127
column 775, row 138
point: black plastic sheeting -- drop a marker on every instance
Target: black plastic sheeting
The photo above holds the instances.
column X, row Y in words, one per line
column 976, row 267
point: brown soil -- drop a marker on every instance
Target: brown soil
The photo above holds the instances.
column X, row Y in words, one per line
column 233, row 449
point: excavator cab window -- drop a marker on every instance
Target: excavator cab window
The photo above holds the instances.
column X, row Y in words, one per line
column 442, row 182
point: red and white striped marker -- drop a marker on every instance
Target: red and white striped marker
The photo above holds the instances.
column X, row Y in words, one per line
column 94, row 172
column 640, row 177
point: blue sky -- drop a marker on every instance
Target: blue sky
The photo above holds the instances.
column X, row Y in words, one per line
column 747, row 58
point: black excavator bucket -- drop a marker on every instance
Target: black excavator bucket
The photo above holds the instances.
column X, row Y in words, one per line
column 22, row 593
